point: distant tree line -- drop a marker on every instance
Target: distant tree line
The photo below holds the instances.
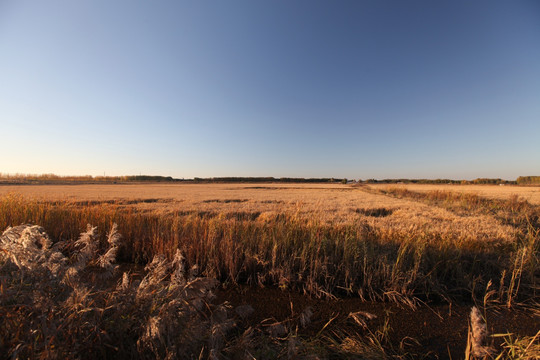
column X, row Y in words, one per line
column 492, row 181
column 268, row 179
column 57, row 179
column 528, row 180
column 412, row 181
column 440, row 181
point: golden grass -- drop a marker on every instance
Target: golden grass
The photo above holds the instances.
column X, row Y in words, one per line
column 323, row 203
column 325, row 240
column 499, row 192
column 318, row 238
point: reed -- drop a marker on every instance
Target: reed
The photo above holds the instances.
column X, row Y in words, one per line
column 319, row 258
column 63, row 296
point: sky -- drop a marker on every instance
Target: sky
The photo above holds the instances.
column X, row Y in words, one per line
column 355, row 89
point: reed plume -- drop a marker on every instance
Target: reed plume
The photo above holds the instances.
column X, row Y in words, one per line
column 478, row 336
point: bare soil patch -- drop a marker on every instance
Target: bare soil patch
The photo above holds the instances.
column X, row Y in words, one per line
column 438, row 331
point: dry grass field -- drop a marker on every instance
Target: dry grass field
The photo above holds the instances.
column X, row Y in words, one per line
column 269, row 271
column 500, row 192
column 329, row 203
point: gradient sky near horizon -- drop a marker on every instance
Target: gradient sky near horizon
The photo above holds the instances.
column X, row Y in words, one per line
column 356, row 89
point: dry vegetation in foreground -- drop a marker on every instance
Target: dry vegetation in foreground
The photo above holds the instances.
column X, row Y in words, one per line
column 68, row 299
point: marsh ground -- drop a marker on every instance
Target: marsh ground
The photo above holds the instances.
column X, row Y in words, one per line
column 417, row 256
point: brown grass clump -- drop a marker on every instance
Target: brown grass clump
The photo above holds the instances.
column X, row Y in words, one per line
column 53, row 308
column 523, row 348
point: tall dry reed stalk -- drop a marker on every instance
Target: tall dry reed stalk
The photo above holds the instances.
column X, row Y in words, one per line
column 478, row 335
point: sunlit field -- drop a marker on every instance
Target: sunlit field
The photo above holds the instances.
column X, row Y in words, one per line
column 320, row 203
column 501, row 192
column 269, row 270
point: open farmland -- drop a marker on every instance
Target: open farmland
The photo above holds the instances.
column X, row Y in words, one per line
column 324, row 269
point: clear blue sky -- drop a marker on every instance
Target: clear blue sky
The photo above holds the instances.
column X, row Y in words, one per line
column 356, row 89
